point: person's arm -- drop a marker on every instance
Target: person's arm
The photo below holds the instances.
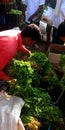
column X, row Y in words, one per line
column 24, row 50
column 21, row 47
column 36, row 13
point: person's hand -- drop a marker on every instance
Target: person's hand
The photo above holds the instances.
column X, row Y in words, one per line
column 29, row 52
column 46, row 20
column 26, row 56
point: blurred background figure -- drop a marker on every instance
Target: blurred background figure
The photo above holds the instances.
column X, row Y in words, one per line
column 5, row 6
column 59, row 13
column 54, row 12
column 53, row 15
column 61, row 31
column 31, row 10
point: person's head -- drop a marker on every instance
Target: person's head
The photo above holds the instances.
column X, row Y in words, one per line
column 4, row 86
column 31, row 34
column 61, row 31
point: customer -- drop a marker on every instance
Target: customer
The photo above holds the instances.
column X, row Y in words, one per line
column 51, row 18
column 59, row 14
column 56, row 36
column 12, row 41
column 32, row 9
column 10, row 109
column 48, row 12
column 54, row 14
column 61, row 32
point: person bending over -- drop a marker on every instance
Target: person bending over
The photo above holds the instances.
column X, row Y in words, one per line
column 12, row 41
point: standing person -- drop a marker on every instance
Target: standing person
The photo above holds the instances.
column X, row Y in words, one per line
column 63, row 9
column 48, row 12
column 54, row 15
column 47, row 19
column 10, row 109
column 12, row 41
column 59, row 14
column 31, row 9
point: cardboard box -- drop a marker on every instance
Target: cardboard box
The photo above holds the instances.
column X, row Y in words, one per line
column 54, row 52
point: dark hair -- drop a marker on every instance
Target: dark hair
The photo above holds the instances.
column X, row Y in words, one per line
column 4, row 85
column 61, row 29
column 33, row 31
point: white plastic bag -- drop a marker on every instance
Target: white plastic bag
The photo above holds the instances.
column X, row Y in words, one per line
column 10, row 109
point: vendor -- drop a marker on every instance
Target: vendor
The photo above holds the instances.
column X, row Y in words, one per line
column 12, row 41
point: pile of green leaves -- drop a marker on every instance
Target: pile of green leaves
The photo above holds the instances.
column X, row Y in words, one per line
column 15, row 11
column 37, row 99
column 43, row 69
column 62, row 66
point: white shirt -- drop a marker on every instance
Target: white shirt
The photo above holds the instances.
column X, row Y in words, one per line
column 32, row 6
column 63, row 7
column 59, row 12
column 57, row 15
